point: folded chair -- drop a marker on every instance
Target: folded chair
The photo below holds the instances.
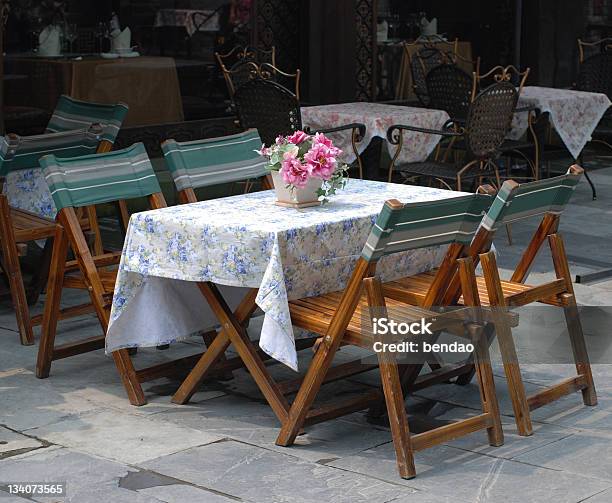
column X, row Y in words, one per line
column 81, row 182
column 514, row 202
column 339, row 319
column 70, row 114
column 18, row 227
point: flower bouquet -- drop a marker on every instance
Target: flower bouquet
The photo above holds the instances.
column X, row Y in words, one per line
column 305, row 169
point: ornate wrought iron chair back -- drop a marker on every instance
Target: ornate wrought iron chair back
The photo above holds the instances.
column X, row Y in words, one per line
column 588, row 49
column 450, row 89
column 500, row 73
column 490, row 119
column 426, row 59
column 268, row 107
column 595, row 74
column 239, row 74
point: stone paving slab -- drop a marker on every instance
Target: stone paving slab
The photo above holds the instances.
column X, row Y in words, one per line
column 11, row 442
column 122, row 437
column 257, row 474
column 454, row 473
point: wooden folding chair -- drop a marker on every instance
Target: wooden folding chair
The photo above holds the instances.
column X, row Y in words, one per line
column 513, row 203
column 18, row 227
column 202, row 163
column 81, row 182
column 339, row 319
column 72, row 114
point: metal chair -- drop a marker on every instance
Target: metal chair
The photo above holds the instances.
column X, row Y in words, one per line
column 421, row 63
column 450, row 89
column 488, row 122
column 274, row 110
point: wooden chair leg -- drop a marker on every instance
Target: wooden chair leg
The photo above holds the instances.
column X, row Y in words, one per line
column 581, row 356
column 12, row 268
column 486, row 382
column 92, row 217
column 394, row 395
column 306, row 395
column 512, row 369
column 52, row 304
column 40, row 279
column 398, row 420
column 130, row 381
column 572, row 318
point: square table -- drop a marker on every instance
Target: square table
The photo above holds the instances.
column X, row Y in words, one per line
column 573, row 114
column 378, row 118
column 248, row 241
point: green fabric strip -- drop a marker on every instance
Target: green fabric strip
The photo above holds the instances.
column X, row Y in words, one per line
column 24, row 152
column 431, row 223
column 213, row 161
column 100, row 178
column 74, row 114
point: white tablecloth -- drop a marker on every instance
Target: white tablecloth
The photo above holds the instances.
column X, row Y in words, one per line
column 377, row 118
column 573, row 114
column 248, row 241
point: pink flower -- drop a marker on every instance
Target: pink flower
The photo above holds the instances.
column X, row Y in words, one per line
column 297, row 137
column 320, row 161
column 265, row 152
column 294, row 172
column 280, row 140
column 321, row 139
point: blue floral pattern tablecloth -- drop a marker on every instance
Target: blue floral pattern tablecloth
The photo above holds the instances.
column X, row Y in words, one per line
column 248, row 241
column 27, row 189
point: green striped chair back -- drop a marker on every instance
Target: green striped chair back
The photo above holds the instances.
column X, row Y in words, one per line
column 517, row 202
column 24, row 152
column 213, row 161
column 401, row 227
column 100, row 178
column 74, row 114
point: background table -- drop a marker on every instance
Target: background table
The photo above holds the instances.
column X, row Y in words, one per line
column 248, row 241
column 149, row 85
column 573, row 114
column 377, row 118
column 184, row 18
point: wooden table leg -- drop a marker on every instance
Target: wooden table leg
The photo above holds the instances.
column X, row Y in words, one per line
column 240, row 339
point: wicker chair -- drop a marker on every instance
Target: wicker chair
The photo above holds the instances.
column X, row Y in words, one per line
column 426, row 59
column 488, row 122
column 588, row 49
column 274, row 110
column 450, row 89
column 595, row 76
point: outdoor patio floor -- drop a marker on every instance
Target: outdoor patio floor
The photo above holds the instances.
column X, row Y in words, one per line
column 78, row 427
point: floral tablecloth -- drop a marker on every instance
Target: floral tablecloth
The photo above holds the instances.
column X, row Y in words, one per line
column 184, row 17
column 248, row 241
column 573, row 114
column 377, row 118
column 27, row 189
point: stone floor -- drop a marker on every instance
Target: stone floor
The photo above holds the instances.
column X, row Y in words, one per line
column 77, row 426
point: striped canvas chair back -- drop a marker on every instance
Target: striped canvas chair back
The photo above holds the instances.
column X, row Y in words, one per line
column 401, row 227
column 74, row 114
column 213, row 161
column 517, row 202
column 100, row 178
column 24, row 152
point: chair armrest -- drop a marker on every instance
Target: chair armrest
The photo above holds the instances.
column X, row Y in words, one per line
column 361, row 129
column 394, row 139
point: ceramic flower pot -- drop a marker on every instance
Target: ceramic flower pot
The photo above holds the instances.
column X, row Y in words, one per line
column 293, row 197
